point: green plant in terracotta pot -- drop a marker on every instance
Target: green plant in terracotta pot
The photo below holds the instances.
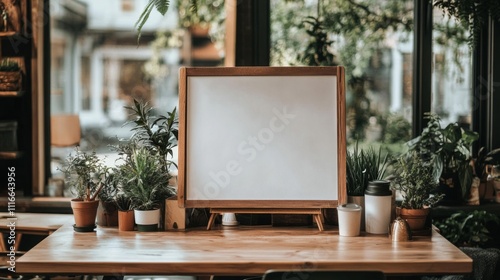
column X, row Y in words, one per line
column 414, row 179
column 86, row 177
column 126, row 221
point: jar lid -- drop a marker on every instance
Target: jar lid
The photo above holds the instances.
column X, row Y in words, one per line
column 378, row 188
column 349, row 207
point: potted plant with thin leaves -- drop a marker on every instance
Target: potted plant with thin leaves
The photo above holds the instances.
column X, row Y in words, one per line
column 143, row 179
column 414, row 179
column 363, row 166
column 86, row 176
column 126, row 221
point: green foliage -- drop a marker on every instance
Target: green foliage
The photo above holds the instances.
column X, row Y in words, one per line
column 144, row 173
column 160, row 5
column 200, row 12
column 396, row 129
column 155, row 133
column 108, row 193
column 317, row 52
column 363, row 166
column 84, row 173
column 362, row 27
column 413, row 177
column 123, row 202
column 472, row 14
column 142, row 178
column 359, row 28
column 468, row 229
column 8, row 65
column 358, row 111
column 448, row 148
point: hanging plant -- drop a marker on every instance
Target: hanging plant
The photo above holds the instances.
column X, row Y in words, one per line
column 472, row 14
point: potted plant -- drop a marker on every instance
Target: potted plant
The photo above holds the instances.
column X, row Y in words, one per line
column 449, row 151
column 142, row 178
column 86, row 176
column 414, row 179
column 107, row 212
column 363, row 166
column 126, row 221
column 480, row 165
column 10, row 75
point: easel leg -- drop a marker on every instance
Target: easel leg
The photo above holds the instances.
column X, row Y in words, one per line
column 211, row 220
column 3, row 248
column 317, row 217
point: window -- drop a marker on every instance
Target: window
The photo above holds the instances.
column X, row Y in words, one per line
column 373, row 43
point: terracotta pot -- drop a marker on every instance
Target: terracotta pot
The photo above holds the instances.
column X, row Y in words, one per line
column 126, row 220
column 107, row 214
column 147, row 220
column 416, row 218
column 85, row 212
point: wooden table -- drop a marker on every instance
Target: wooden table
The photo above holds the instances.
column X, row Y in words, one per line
column 237, row 251
column 30, row 223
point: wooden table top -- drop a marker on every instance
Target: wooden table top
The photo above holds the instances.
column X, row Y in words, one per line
column 35, row 222
column 236, row 251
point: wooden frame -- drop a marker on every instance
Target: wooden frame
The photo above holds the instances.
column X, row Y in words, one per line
column 187, row 84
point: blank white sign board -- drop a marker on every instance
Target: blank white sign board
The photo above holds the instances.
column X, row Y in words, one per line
column 262, row 138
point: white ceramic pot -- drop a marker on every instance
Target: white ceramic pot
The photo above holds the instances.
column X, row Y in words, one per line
column 349, row 219
column 147, row 220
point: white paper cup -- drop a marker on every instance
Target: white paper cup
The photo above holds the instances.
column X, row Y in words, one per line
column 349, row 216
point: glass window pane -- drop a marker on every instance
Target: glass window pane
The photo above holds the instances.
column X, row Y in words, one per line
column 372, row 40
column 98, row 66
column 452, row 71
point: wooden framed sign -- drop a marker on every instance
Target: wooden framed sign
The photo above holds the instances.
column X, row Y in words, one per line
column 262, row 138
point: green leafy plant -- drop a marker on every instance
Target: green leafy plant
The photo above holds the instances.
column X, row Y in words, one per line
column 155, row 133
column 85, row 174
column 8, row 65
column 144, row 173
column 413, row 177
column 468, row 229
column 160, row 5
column 143, row 178
column 363, row 166
column 448, row 149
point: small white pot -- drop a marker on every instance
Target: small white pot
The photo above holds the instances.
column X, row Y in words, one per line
column 147, row 220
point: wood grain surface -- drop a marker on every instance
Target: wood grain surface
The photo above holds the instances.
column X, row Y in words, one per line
column 236, row 251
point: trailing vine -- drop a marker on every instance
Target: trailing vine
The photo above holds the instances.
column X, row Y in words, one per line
column 472, row 14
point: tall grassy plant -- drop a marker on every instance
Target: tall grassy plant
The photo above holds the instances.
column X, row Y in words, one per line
column 363, row 166
column 143, row 179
